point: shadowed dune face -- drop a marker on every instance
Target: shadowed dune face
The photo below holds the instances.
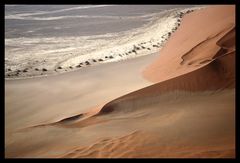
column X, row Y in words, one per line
column 220, row 76
column 214, row 72
column 216, row 76
column 180, row 117
column 207, row 47
column 228, row 41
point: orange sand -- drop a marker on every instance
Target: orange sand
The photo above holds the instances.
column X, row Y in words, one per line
column 189, row 111
column 199, row 31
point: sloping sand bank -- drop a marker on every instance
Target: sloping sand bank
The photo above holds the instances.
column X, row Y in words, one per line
column 207, row 70
column 189, row 110
column 194, row 44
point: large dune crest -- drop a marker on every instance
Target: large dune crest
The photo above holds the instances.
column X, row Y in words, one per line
column 209, row 66
column 187, row 104
column 217, row 74
column 196, row 33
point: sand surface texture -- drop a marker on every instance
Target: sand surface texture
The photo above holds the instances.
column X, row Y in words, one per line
column 178, row 103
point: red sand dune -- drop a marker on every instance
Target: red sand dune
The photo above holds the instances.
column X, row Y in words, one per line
column 216, row 54
column 189, row 111
column 191, row 62
column 207, row 25
column 180, row 115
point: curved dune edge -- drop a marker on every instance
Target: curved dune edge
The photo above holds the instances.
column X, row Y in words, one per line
column 194, row 31
column 70, row 120
column 207, row 67
column 216, row 76
column 217, row 72
column 204, row 65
